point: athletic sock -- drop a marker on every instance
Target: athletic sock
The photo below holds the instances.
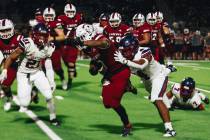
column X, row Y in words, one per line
column 51, row 108
column 60, row 73
column 123, row 115
column 168, row 125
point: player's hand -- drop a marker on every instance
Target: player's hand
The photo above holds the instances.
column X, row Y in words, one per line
column 119, row 58
column 3, row 75
column 49, row 50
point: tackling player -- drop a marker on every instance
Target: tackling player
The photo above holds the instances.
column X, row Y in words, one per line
column 29, row 72
column 9, row 41
column 152, row 73
column 184, row 95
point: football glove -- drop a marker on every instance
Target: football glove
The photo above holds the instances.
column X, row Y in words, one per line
column 206, row 100
column 3, row 75
column 119, row 58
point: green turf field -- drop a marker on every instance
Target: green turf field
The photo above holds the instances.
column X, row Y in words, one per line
column 83, row 116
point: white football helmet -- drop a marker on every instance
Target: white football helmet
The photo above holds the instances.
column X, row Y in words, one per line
column 138, row 20
column 49, row 14
column 6, row 29
column 115, row 20
column 70, row 10
column 159, row 16
column 151, row 19
column 85, row 32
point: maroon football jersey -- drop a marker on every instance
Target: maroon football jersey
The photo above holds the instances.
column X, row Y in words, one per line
column 70, row 24
column 155, row 29
column 115, row 34
column 139, row 31
column 10, row 46
column 52, row 25
column 107, row 57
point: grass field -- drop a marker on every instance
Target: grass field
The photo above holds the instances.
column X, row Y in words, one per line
column 83, row 116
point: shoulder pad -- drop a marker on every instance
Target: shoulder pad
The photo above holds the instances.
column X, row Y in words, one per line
column 25, row 43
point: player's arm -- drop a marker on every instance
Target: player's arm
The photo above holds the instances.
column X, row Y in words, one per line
column 166, row 30
column 204, row 98
column 102, row 43
column 161, row 41
column 60, row 36
column 169, row 94
column 12, row 57
column 146, row 39
column 1, row 57
column 139, row 64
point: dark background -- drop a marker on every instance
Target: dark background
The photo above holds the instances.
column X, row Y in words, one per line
column 194, row 14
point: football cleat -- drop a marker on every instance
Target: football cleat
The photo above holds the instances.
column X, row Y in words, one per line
column 172, row 68
column 170, row 133
column 34, row 96
column 64, row 85
column 55, row 122
column 7, row 106
column 126, row 131
column 22, row 109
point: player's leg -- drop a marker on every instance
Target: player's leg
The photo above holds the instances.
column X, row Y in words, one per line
column 56, row 62
column 69, row 55
column 24, row 87
column 42, row 83
column 6, row 87
column 112, row 94
column 159, row 86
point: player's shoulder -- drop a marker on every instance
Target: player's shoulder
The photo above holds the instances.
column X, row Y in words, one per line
column 99, row 37
column 145, row 27
column 175, row 88
column 26, row 43
column 60, row 18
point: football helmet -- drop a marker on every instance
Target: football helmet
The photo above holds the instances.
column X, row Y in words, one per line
column 115, row 20
column 40, row 34
column 6, row 29
column 151, row 19
column 85, row 32
column 138, row 20
column 128, row 46
column 159, row 16
column 186, row 31
column 70, row 10
column 187, row 87
column 49, row 14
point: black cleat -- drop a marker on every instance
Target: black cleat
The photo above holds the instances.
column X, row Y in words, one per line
column 126, row 131
column 170, row 133
column 172, row 68
column 55, row 122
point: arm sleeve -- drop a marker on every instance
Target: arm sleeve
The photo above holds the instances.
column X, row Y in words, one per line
column 138, row 66
column 49, row 71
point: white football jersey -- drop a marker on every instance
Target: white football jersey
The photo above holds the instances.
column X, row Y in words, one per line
column 153, row 69
column 194, row 101
column 31, row 61
column 98, row 28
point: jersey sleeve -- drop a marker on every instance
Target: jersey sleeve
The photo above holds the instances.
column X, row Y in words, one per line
column 201, row 95
column 175, row 89
column 25, row 44
column 195, row 101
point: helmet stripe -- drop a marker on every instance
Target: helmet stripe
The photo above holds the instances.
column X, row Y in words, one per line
column 3, row 22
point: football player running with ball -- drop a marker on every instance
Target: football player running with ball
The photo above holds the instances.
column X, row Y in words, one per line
column 33, row 50
column 153, row 74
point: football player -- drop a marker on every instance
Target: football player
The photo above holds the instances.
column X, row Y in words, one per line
column 38, row 18
column 115, row 29
column 70, row 20
column 8, row 43
column 103, row 22
column 184, row 95
column 29, row 72
column 117, row 75
column 152, row 73
column 141, row 30
column 57, row 36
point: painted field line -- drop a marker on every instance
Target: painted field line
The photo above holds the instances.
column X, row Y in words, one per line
column 49, row 132
column 207, row 91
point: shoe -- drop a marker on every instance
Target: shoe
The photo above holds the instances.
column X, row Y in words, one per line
column 34, row 96
column 172, row 68
column 64, row 85
column 7, row 106
column 55, row 122
column 170, row 133
column 126, row 131
column 22, row 109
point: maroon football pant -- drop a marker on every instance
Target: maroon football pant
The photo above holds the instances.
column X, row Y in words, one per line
column 113, row 92
column 69, row 54
column 56, row 59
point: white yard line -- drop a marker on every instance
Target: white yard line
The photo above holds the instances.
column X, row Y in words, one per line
column 207, row 91
column 49, row 132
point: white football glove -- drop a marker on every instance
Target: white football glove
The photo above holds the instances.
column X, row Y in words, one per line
column 3, row 75
column 49, row 50
column 119, row 58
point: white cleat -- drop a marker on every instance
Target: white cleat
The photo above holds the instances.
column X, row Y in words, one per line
column 7, row 106
column 22, row 109
column 64, row 85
